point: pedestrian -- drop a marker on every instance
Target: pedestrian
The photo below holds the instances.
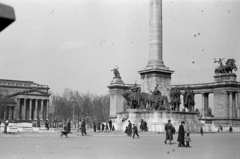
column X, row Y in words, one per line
column 103, row 127
column 187, row 139
column 129, row 128
column 230, row 129
column 201, row 131
column 47, row 124
column 69, row 125
column 38, row 123
column 145, row 128
column 141, row 125
column 169, row 133
column 106, row 126
column 110, row 124
column 94, row 127
column 83, row 128
column 135, row 131
column 98, row 127
column 181, row 134
column 113, row 128
column 79, row 127
column 126, row 130
column 5, row 127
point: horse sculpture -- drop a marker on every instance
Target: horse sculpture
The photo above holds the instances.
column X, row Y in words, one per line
column 230, row 65
column 143, row 100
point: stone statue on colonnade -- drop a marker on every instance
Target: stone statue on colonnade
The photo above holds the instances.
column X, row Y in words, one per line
column 230, row 65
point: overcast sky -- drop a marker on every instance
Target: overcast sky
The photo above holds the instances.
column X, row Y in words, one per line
column 75, row 43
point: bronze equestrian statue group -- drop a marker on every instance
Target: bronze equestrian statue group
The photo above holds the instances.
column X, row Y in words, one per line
column 230, row 65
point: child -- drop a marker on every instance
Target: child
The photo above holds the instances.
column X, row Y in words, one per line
column 135, row 131
column 126, row 130
column 187, row 139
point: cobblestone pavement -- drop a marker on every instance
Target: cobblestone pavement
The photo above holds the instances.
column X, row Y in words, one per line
column 117, row 146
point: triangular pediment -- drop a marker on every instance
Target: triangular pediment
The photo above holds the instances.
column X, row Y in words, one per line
column 30, row 92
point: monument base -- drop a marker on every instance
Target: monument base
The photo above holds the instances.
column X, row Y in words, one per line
column 156, row 120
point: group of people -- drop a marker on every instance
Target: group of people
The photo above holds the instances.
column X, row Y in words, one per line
column 182, row 138
column 143, row 125
column 131, row 129
column 103, row 127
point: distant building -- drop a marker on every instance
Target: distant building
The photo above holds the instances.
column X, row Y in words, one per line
column 23, row 100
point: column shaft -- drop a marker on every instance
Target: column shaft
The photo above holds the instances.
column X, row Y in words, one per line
column 155, row 33
column 30, row 109
column 47, row 109
column 203, row 105
column 41, row 111
column 230, row 105
column 24, row 110
column 17, row 110
column 35, row 110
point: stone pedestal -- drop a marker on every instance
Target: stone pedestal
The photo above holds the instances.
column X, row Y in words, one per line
column 116, row 90
column 225, row 77
column 225, row 99
column 152, row 76
column 156, row 120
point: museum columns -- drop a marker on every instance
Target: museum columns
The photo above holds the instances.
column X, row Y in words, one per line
column 30, row 109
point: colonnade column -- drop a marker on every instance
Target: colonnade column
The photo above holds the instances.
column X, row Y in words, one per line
column 24, row 110
column 4, row 112
column 47, row 109
column 203, row 103
column 9, row 112
column 30, row 109
column 17, row 110
column 230, row 105
column 237, row 106
column 41, row 111
column 36, row 109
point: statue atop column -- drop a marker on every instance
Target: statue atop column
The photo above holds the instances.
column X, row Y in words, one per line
column 230, row 65
column 116, row 72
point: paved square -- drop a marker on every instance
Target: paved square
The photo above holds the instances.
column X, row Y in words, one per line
column 117, row 146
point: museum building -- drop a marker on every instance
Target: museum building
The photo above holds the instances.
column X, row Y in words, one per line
column 23, row 100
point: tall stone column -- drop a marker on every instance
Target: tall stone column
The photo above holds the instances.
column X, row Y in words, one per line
column 155, row 33
column 5, row 113
column 41, row 111
column 116, row 90
column 155, row 73
column 30, row 109
column 206, row 104
column 47, row 109
column 9, row 112
column 36, row 110
column 237, row 105
column 24, row 110
column 203, row 105
column 230, row 105
column 17, row 110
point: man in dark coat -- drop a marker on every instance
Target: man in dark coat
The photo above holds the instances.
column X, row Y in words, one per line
column 181, row 134
column 69, row 126
column 47, row 124
column 110, row 124
column 94, row 127
column 169, row 134
column 103, row 127
column 83, row 127
column 129, row 128
column 5, row 127
column 135, row 131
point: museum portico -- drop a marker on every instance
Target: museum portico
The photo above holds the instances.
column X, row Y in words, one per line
column 24, row 100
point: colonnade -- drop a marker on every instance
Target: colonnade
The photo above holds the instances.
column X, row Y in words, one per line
column 27, row 109
column 231, row 104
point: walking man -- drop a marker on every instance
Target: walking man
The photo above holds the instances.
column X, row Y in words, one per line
column 169, row 133
column 83, row 127
column 181, row 135
column 135, row 131
column 129, row 128
column 110, row 124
